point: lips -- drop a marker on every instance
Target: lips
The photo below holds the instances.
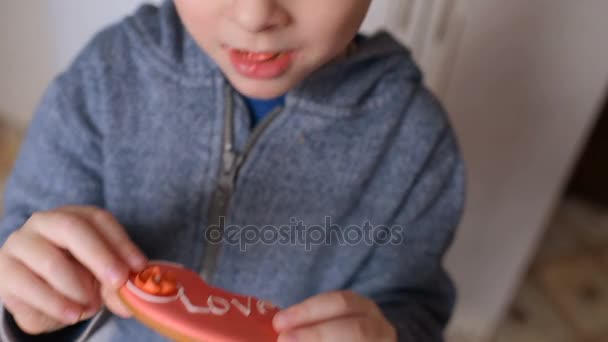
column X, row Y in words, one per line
column 260, row 65
column 257, row 57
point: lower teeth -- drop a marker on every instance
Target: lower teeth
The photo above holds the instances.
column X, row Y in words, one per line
column 251, row 56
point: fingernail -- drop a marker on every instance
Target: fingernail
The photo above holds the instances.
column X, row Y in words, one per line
column 124, row 311
column 72, row 316
column 114, row 275
column 90, row 312
column 10, row 302
column 138, row 261
column 281, row 320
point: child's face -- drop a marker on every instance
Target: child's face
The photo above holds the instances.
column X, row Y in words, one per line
column 266, row 47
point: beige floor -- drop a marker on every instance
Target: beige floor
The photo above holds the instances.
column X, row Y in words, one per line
column 564, row 297
column 9, row 146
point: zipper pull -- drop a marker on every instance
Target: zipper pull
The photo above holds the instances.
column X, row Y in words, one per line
column 232, row 161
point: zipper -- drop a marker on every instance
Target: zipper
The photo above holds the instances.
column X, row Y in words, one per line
column 231, row 163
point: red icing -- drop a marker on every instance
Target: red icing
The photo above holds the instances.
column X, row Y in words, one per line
column 154, row 282
column 178, row 299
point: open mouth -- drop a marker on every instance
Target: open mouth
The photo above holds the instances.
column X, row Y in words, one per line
column 258, row 57
column 260, row 65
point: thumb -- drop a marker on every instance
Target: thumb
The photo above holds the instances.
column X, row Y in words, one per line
column 113, row 302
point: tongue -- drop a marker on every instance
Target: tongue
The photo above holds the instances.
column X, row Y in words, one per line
column 260, row 57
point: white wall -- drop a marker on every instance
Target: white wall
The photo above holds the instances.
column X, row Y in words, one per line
column 522, row 81
column 26, row 59
column 526, row 86
column 38, row 38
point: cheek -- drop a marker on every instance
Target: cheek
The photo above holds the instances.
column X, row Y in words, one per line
column 322, row 45
column 200, row 18
column 331, row 31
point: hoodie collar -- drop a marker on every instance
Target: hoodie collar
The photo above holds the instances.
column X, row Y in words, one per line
column 336, row 87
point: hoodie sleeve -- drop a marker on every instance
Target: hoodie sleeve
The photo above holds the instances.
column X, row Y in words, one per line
column 59, row 164
column 406, row 277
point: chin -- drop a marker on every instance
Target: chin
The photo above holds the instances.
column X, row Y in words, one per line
column 261, row 89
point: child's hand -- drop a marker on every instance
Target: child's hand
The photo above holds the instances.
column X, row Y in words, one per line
column 334, row 316
column 62, row 265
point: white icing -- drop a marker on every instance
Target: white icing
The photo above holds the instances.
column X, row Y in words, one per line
column 215, row 305
column 191, row 307
column 150, row 297
column 246, row 310
column 163, row 262
column 212, row 301
column 262, row 305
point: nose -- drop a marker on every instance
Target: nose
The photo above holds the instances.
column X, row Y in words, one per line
column 258, row 15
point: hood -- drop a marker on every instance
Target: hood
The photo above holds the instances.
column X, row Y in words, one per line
column 368, row 74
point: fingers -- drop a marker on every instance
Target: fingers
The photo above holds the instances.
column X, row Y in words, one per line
column 323, row 307
column 61, row 263
column 30, row 320
column 114, row 303
column 53, row 265
column 95, row 301
column 34, row 292
column 113, row 233
column 344, row 329
column 75, row 235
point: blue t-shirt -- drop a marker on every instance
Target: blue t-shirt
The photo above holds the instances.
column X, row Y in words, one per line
column 259, row 108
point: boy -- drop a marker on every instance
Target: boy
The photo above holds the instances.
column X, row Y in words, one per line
column 177, row 130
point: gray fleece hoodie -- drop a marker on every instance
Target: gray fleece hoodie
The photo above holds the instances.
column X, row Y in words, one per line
column 356, row 183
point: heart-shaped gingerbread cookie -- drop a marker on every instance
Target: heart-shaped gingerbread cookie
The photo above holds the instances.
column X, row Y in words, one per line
column 179, row 304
